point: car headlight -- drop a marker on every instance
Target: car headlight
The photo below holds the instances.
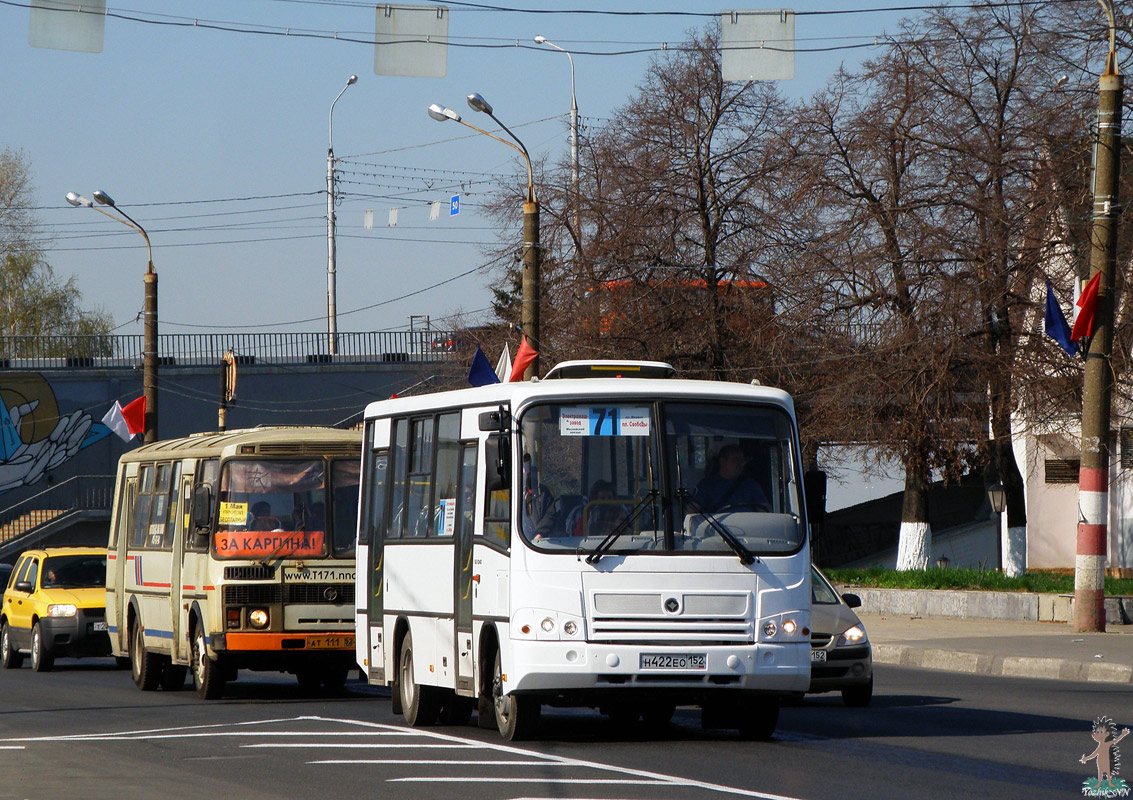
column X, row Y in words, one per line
column 852, row 635
column 62, row 610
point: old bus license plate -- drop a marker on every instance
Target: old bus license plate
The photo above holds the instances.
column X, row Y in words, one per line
column 329, row 642
column 817, row 655
column 674, row 661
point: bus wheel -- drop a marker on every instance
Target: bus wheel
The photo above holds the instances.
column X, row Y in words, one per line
column 757, row 717
column 11, row 657
column 516, row 716
column 173, row 677
column 145, row 666
column 208, row 675
column 419, row 704
column 41, row 658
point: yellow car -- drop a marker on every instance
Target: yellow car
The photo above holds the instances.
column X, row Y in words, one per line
column 55, row 605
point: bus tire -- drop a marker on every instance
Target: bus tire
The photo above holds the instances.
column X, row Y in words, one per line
column 145, row 667
column 420, row 705
column 173, row 677
column 10, row 657
column 517, row 716
column 208, row 675
column 42, row 659
column 757, row 717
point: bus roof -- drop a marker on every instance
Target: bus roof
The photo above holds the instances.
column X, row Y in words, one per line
column 521, row 392
column 277, row 441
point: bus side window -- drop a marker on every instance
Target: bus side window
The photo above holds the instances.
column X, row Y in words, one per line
column 140, row 522
column 174, row 496
column 497, row 499
column 400, row 467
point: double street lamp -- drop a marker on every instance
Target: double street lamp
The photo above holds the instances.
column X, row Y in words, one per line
column 149, row 340
column 332, row 289
column 532, row 255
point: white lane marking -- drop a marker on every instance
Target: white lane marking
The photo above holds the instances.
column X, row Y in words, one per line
column 375, row 746
column 434, row 762
column 601, row 781
column 392, row 731
column 12, row 747
column 138, row 737
column 574, row 762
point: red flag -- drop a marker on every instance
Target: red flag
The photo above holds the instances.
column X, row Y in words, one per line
column 1087, row 305
column 523, row 358
column 135, row 415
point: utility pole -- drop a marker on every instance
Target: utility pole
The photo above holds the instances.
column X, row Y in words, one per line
column 532, row 264
column 1093, row 477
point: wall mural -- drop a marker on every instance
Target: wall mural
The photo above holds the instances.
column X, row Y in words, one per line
column 34, row 436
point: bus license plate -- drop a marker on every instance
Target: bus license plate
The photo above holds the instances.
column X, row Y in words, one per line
column 674, row 661
column 817, row 655
column 98, row 626
column 329, row 642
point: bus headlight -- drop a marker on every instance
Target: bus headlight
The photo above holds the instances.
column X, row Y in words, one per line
column 62, row 610
column 770, row 629
column 258, row 618
column 570, row 627
column 548, row 625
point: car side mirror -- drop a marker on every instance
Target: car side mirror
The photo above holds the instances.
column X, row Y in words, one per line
column 852, row 600
column 202, row 506
column 23, row 586
column 814, row 486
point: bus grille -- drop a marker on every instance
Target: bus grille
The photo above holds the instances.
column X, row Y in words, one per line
column 274, row 594
column 258, row 572
column 661, row 618
column 265, row 594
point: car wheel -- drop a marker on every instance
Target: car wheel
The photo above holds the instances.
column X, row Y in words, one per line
column 10, row 657
column 517, row 717
column 858, row 696
column 173, row 677
column 208, row 675
column 757, row 717
column 144, row 666
column 419, row 704
column 42, row 659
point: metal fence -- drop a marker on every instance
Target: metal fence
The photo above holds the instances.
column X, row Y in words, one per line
column 87, row 492
column 58, row 352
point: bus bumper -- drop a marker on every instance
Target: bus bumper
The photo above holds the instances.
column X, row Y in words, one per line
column 558, row 667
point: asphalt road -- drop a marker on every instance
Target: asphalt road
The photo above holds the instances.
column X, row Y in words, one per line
column 84, row 731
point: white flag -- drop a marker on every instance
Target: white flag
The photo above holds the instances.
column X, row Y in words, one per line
column 114, row 420
column 503, row 366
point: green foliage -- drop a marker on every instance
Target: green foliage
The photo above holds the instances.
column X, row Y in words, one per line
column 975, row 579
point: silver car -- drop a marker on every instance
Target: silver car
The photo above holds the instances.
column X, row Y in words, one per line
column 840, row 656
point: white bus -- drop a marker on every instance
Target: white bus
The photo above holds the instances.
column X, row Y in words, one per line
column 235, row 550
column 609, row 537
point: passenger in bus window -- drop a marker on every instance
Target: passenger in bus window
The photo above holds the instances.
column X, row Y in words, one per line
column 729, row 488
column 262, row 519
column 602, row 514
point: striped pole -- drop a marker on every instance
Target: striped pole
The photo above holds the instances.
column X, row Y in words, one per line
column 1097, row 388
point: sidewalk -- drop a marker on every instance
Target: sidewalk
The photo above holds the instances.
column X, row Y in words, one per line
column 1002, row 647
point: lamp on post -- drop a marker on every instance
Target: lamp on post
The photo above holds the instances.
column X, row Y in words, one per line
column 149, row 330
column 332, row 288
column 532, row 255
column 573, row 137
column 1097, row 386
column 997, row 496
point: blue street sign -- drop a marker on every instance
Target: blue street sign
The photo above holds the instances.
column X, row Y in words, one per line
column 454, row 205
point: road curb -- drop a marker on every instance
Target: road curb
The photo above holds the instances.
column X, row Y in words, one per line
column 1006, row 666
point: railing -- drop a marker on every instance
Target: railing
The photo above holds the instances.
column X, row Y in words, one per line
column 56, row 352
column 79, row 492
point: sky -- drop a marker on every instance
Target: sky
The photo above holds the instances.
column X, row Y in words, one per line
column 215, row 141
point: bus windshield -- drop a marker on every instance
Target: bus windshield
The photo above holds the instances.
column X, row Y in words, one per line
column 670, row 476
column 278, row 509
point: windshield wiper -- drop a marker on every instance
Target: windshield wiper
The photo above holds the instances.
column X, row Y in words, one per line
column 746, row 556
column 604, row 545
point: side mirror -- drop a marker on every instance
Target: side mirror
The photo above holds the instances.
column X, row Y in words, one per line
column 202, row 506
column 814, row 487
column 852, row 600
column 497, row 420
column 497, row 451
column 23, row 586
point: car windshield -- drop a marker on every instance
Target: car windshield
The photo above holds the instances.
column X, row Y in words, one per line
column 278, row 509
column 713, row 478
column 821, row 592
column 74, row 572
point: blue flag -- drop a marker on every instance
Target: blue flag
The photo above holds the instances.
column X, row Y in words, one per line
column 1055, row 324
column 482, row 373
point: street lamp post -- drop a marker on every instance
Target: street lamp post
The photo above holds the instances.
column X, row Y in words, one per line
column 532, row 255
column 149, row 327
column 573, row 139
column 1097, row 388
column 332, row 289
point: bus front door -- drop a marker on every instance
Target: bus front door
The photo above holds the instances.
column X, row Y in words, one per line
column 462, row 573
